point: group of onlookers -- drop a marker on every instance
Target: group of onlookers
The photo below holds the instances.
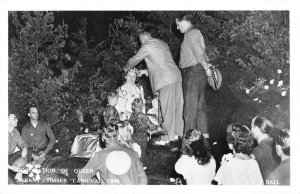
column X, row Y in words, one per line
column 267, row 163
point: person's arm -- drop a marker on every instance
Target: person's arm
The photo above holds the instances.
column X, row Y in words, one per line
column 136, row 59
column 14, row 168
column 51, row 138
column 197, row 45
column 91, row 169
column 24, row 135
column 141, row 173
column 147, row 121
column 21, row 144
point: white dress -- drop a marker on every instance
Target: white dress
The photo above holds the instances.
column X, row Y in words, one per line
column 127, row 93
column 238, row 172
column 193, row 172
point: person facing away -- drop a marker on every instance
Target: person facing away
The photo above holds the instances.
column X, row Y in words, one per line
column 196, row 164
column 195, row 69
column 264, row 151
column 127, row 93
column 141, row 126
column 281, row 175
column 117, row 164
column 35, row 134
column 14, row 140
column 165, row 78
column 239, row 168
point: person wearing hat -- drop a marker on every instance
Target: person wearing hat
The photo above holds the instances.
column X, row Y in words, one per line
column 264, row 152
column 117, row 164
column 15, row 140
column 195, row 70
column 281, row 175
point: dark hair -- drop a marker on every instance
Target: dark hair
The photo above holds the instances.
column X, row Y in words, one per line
column 263, row 124
column 201, row 150
column 31, row 106
column 283, row 139
column 137, row 102
column 187, row 16
column 194, row 144
column 241, row 138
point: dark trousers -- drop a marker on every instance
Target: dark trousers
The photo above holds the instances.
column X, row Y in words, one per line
column 141, row 138
column 194, row 109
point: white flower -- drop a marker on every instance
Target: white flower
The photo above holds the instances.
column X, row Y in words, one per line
column 56, row 150
column 271, row 81
column 30, row 174
column 280, row 83
column 37, row 166
column 37, row 177
column 266, row 87
column 172, row 180
column 56, row 141
column 279, row 71
column 247, row 91
column 259, row 101
column 255, row 99
column 283, row 93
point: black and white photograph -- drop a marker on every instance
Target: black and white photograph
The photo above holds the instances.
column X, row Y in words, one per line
column 167, row 98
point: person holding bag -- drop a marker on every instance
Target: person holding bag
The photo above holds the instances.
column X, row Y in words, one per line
column 195, row 73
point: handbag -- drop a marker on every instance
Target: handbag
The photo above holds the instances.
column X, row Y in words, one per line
column 215, row 80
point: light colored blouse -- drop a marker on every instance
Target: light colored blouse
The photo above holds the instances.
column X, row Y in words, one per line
column 235, row 171
column 193, row 172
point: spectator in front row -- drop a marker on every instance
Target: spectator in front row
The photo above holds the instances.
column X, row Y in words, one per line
column 263, row 152
column 110, row 113
column 35, row 135
column 196, row 163
column 117, row 164
column 239, row 168
column 281, row 175
column 14, row 140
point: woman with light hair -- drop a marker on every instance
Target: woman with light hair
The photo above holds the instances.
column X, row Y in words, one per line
column 239, row 168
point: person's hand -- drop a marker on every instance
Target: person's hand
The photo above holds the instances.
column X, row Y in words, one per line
column 24, row 152
column 42, row 154
column 208, row 72
column 15, row 168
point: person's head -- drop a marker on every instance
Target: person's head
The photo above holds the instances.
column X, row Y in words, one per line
column 260, row 125
column 137, row 105
column 144, row 36
column 110, row 134
column 240, row 138
column 283, row 143
column 110, row 115
column 184, row 22
column 131, row 76
column 125, row 133
column 33, row 113
column 201, row 150
column 190, row 136
column 12, row 120
column 112, row 98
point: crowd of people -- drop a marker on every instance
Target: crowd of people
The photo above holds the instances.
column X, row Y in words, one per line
column 181, row 103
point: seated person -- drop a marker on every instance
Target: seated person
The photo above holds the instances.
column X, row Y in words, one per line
column 239, row 168
column 117, row 164
column 281, row 174
column 196, row 164
column 15, row 140
column 110, row 113
column 127, row 93
column 35, row 134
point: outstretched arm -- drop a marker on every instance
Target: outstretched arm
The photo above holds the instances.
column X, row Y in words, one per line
column 136, row 59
